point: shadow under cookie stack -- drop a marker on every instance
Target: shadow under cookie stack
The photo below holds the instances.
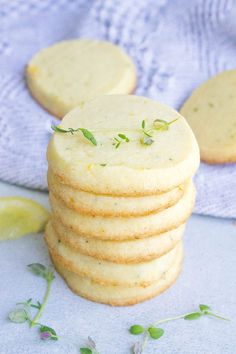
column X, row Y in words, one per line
column 120, row 181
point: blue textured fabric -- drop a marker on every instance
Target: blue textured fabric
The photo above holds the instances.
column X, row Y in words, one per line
column 175, row 45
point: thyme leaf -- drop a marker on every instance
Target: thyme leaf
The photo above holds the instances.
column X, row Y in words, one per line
column 86, row 133
column 154, row 332
column 161, row 124
column 119, row 139
column 23, row 314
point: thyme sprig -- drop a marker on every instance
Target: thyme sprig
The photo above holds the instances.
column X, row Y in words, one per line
column 86, row 133
column 162, row 125
column 23, row 313
column 155, row 332
column 121, row 138
column 91, row 347
column 147, row 132
column 146, row 139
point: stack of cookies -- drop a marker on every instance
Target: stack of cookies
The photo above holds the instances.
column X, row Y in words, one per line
column 120, row 181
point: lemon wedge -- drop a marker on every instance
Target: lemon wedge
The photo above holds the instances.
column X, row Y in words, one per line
column 21, row 216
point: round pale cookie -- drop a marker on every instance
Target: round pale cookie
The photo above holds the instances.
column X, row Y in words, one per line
column 118, row 295
column 67, row 74
column 107, row 205
column 131, row 251
column 133, row 168
column 211, row 113
column 104, row 272
column 125, row 228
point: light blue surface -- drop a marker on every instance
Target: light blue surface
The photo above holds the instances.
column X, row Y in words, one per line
column 175, row 45
column 208, row 277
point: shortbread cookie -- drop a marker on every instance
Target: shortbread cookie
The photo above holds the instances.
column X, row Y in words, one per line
column 107, row 205
column 131, row 251
column 118, row 295
column 211, row 113
column 130, row 168
column 125, row 228
column 67, row 74
column 104, row 272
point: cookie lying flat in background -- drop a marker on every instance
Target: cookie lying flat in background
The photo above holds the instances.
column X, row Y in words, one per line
column 69, row 73
column 211, row 113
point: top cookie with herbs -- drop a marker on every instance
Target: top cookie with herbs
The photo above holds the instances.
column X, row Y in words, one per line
column 123, row 145
column 67, row 74
column 211, row 113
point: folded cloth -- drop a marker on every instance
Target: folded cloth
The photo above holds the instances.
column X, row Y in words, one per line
column 175, row 45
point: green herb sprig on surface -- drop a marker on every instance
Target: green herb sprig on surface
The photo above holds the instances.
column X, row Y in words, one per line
column 91, row 348
column 121, row 138
column 147, row 135
column 23, row 313
column 155, row 332
column 86, row 133
column 162, row 125
column 147, row 138
column 146, row 132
